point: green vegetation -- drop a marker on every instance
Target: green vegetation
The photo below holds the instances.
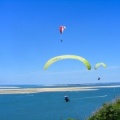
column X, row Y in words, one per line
column 70, row 119
column 109, row 111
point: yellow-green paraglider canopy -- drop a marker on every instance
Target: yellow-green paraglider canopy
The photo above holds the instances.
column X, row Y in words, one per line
column 57, row 58
column 97, row 65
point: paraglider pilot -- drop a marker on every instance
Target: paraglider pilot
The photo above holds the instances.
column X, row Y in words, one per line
column 66, row 98
column 98, row 78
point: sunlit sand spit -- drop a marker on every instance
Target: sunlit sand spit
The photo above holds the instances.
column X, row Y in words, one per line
column 37, row 90
column 16, row 90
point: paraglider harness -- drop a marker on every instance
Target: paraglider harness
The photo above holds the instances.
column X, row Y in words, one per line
column 66, row 98
column 98, row 78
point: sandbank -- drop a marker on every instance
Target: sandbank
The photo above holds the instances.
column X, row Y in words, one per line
column 38, row 90
column 59, row 89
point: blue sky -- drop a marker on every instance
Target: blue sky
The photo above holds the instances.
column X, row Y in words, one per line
column 29, row 36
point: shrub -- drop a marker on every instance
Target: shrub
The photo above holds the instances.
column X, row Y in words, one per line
column 108, row 111
column 70, row 119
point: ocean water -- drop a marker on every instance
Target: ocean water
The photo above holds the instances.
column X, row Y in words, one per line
column 52, row 106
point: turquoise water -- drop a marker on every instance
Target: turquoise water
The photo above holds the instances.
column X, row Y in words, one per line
column 51, row 105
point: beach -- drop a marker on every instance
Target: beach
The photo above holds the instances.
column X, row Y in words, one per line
column 17, row 90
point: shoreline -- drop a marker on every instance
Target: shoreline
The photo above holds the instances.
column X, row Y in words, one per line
column 17, row 90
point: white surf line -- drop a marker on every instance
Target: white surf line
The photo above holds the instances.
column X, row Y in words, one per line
column 90, row 97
